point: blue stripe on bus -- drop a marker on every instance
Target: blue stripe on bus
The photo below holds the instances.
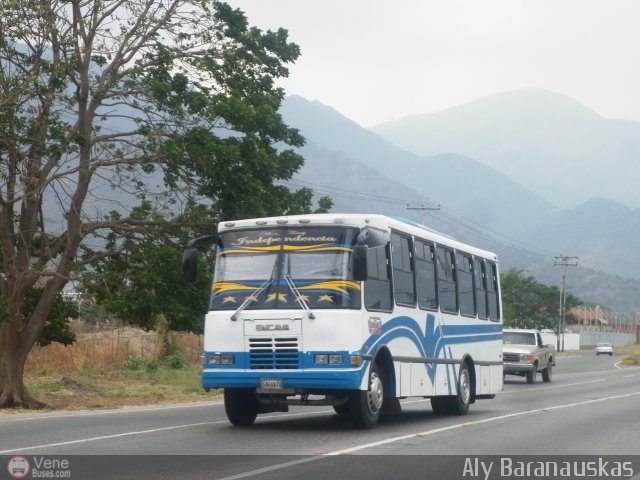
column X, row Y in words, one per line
column 431, row 343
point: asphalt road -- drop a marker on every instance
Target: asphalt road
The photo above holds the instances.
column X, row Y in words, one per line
column 591, row 407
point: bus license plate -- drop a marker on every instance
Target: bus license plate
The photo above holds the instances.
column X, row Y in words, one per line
column 271, row 383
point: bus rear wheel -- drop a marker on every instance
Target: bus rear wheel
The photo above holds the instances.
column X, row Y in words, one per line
column 365, row 405
column 241, row 406
column 455, row 404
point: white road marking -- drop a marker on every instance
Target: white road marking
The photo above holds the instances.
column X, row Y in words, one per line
column 478, row 422
column 552, row 386
column 625, row 367
column 140, row 432
column 348, row 451
column 47, row 416
column 105, row 437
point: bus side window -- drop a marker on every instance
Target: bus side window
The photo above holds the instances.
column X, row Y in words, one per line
column 426, row 275
column 377, row 288
column 446, row 280
column 464, row 269
column 403, row 284
column 480, row 273
column 492, row 292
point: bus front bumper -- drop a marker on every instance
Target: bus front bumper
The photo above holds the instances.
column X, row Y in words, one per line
column 317, row 379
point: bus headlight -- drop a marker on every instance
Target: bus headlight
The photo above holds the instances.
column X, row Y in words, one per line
column 221, row 360
column 335, row 359
column 321, row 359
column 328, row 359
column 227, row 360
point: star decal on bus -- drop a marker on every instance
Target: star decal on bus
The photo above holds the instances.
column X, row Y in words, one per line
column 303, row 297
column 325, row 298
column 280, row 297
column 229, row 300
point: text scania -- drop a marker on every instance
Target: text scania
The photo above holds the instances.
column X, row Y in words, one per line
column 600, row 469
column 272, row 327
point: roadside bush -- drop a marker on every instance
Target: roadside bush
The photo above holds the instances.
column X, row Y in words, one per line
column 152, row 366
column 176, row 361
column 134, row 362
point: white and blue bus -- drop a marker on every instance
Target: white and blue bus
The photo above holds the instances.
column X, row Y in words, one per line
column 354, row 311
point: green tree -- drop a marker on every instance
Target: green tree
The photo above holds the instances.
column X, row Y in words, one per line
column 56, row 327
column 527, row 303
column 166, row 104
column 147, row 282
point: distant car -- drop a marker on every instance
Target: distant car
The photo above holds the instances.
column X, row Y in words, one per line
column 604, row 348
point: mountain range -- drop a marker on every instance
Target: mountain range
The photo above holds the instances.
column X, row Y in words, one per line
column 557, row 147
column 373, row 170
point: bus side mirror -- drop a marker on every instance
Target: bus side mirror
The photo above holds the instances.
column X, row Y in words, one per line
column 190, row 265
column 190, row 257
column 360, row 272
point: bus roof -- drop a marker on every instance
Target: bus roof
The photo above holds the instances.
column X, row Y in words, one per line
column 357, row 220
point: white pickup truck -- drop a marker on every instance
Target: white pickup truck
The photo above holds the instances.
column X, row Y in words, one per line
column 524, row 354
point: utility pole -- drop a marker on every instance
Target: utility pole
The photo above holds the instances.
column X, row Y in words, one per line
column 563, row 262
column 423, row 210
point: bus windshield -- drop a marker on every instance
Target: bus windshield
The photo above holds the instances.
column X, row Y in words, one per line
column 256, row 265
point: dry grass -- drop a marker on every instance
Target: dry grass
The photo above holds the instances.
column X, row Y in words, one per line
column 91, row 373
column 99, row 389
column 108, row 350
column 631, row 352
column 628, row 350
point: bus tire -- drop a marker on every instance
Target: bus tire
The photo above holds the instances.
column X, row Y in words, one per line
column 342, row 409
column 457, row 404
column 461, row 401
column 441, row 405
column 241, row 406
column 365, row 405
column 547, row 372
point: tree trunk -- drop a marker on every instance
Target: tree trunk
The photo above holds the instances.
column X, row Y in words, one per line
column 13, row 354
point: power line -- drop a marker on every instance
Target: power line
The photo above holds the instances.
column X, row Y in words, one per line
column 423, row 210
column 459, row 220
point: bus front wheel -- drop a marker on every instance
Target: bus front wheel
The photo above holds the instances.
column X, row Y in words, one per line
column 365, row 405
column 241, row 406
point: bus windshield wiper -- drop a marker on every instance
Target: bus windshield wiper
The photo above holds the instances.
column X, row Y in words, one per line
column 252, row 298
column 301, row 301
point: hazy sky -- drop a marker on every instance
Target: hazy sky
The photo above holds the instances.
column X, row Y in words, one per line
column 375, row 60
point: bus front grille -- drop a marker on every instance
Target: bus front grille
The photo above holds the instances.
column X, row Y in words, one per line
column 273, row 353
